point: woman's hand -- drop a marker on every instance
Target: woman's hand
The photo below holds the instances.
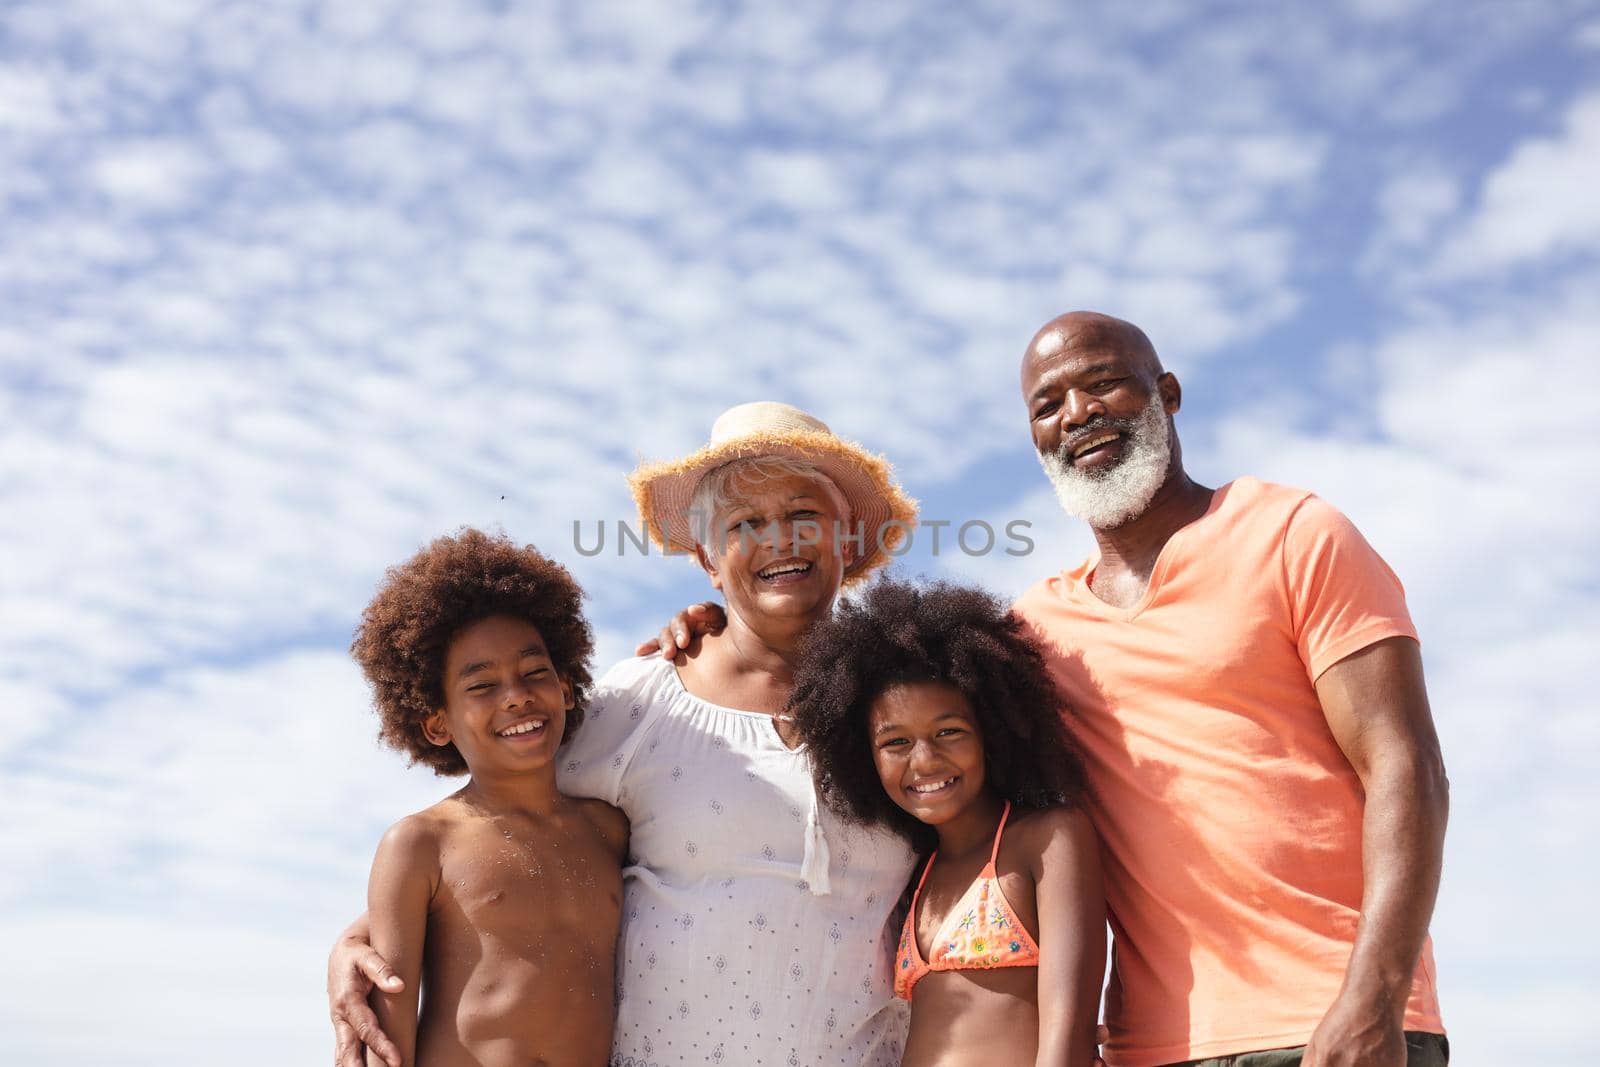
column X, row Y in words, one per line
column 353, row 969
column 696, row 620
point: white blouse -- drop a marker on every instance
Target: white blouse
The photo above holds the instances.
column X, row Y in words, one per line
column 755, row 924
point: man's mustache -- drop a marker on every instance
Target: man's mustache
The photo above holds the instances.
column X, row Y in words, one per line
column 1099, row 424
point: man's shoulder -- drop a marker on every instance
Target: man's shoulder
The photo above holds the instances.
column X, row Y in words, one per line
column 1295, row 516
column 1277, row 517
column 1255, row 495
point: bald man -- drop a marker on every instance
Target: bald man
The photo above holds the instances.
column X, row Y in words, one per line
column 1249, row 694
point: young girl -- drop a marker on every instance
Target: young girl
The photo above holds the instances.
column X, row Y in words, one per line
column 929, row 711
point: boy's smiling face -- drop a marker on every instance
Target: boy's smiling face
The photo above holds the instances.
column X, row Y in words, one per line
column 505, row 705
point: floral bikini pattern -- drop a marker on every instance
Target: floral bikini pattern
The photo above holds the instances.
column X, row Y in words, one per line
column 979, row 934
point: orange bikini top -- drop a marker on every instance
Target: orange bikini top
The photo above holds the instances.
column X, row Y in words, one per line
column 980, row 932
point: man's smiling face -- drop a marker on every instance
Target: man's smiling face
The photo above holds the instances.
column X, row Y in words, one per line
column 1099, row 410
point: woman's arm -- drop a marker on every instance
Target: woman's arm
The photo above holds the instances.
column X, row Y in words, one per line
column 1072, row 939
column 404, row 875
column 354, row 970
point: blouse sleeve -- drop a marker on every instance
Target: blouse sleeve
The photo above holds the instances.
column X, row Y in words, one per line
column 617, row 717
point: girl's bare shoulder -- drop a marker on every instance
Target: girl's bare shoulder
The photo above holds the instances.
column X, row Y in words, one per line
column 1034, row 832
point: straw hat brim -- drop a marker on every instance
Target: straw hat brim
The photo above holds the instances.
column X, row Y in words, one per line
column 663, row 491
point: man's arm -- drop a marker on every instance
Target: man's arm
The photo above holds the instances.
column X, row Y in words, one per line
column 1072, row 939
column 1377, row 707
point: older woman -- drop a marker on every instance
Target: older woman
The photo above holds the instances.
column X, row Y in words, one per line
column 755, row 925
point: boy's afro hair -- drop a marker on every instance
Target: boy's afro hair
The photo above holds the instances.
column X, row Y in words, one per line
column 895, row 632
column 430, row 598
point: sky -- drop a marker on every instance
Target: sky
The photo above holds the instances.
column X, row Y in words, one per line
column 288, row 289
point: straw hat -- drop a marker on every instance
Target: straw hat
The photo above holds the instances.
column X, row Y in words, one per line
column 663, row 490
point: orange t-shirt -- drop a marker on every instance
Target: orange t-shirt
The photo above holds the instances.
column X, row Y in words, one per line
column 1230, row 818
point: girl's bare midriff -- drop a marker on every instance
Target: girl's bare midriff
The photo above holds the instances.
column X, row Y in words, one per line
column 960, row 1018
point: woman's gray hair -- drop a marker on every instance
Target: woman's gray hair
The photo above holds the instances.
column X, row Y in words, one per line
column 714, row 495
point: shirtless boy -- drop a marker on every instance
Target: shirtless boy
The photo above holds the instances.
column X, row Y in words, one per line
column 500, row 903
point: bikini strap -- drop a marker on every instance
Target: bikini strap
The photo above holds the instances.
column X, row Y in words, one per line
column 994, row 854
column 926, row 867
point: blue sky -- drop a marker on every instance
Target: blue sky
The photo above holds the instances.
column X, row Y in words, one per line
column 287, row 289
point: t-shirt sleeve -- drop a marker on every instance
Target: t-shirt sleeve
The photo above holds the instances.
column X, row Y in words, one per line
column 1342, row 595
column 594, row 760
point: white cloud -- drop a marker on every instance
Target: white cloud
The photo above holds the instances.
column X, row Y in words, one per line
column 354, row 20
column 150, row 175
column 317, row 75
column 177, row 794
column 166, row 989
column 855, row 88
column 27, row 101
column 1412, row 205
column 1539, row 203
column 797, row 180
column 1385, row 10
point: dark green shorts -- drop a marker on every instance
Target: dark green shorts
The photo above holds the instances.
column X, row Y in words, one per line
column 1422, row 1050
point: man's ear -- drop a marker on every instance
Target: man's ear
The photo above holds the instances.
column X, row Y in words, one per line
column 1171, row 392
column 567, row 700
column 436, row 729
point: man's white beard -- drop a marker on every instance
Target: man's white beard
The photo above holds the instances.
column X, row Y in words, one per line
column 1108, row 498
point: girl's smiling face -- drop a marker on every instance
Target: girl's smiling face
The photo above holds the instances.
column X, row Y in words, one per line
column 928, row 749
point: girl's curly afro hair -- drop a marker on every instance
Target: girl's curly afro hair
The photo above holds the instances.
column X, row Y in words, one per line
column 895, row 632
column 449, row 585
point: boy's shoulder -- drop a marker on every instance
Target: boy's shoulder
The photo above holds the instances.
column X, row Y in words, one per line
column 609, row 822
column 426, row 829
column 412, row 849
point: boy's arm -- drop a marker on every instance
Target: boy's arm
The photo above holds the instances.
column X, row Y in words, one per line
column 1072, row 938
column 405, row 874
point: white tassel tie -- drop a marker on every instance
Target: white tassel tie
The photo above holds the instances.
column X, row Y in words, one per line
column 814, row 868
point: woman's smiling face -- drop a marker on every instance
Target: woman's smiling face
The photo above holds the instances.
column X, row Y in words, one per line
column 928, row 749
column 775, row 550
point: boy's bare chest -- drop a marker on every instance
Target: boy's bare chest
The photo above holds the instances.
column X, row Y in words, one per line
column 522, row 886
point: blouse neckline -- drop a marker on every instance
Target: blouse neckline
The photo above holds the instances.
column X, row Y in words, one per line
column 677, row 681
